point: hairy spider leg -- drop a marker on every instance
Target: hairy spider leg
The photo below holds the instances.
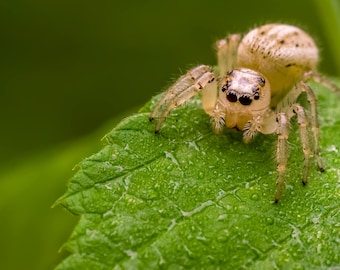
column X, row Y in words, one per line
column 283, row 126
column 305, row 143
column 319, row 78
column 187, row 86
column 314, row 121
column 227, row 53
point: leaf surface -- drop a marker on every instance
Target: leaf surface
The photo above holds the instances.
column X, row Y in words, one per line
column 189, row 198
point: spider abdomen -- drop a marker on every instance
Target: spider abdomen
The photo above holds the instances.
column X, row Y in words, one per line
column 283, row 53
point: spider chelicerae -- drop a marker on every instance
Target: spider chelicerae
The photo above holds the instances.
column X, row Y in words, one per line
column 255, row 89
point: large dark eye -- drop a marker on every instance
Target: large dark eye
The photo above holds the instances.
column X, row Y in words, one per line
column 231, row 96
column 245, row 100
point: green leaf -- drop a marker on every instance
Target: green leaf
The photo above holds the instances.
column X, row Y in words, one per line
column 29, row 228
column 189, row 198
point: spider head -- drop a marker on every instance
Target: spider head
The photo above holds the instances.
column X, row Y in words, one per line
column 246, row 88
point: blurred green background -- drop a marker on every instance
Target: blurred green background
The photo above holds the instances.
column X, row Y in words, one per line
column 69, row 67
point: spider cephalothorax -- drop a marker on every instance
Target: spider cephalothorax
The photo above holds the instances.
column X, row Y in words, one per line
column 256, row 88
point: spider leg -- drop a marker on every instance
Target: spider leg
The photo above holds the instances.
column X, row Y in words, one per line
column 290, row 99
column 188, row 85
column 319, row 78
column 282, row 132
column 182, row 83
column 303, row 128
column 314, row 122
column 227, row 53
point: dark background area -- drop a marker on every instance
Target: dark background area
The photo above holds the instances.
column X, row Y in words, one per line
column 66, row 67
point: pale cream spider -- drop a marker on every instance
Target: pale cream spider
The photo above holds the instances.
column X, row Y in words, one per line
column 255, row 89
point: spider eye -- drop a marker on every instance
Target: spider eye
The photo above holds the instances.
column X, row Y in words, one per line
column 231, row 96
column 226, row 86
column 256, row 96
column 261, row 81
column 245, row 100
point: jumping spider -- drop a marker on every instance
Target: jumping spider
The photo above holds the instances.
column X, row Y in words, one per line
column 255, row 89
